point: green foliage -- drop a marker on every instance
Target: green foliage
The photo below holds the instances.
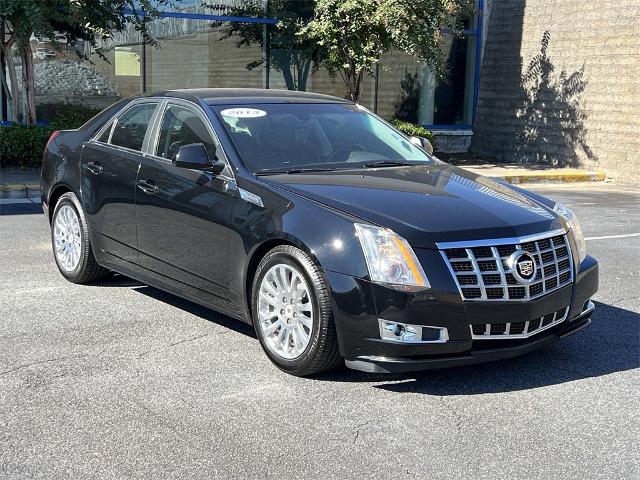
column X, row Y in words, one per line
column 87, row 20
column 355, row 33
column 22, row 145
column 414, row 130
column 70, row 116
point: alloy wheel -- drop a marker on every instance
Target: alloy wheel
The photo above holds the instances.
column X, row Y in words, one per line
column 67, row 238
column 285, row 311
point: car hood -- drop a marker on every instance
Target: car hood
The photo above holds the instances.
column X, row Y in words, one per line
column 425, row 203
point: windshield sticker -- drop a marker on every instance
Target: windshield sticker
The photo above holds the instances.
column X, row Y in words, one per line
column 243, row 112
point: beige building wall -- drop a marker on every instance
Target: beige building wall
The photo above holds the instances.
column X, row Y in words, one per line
column 560, row 83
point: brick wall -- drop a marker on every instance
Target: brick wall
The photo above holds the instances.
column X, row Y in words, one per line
column 560, row 83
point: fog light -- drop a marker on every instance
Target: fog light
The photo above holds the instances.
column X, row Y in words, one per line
column 406, row 333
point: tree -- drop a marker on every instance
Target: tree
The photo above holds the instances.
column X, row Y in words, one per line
column 19, row 20
column 355, row 33
column 288, row 52
column 88, row 21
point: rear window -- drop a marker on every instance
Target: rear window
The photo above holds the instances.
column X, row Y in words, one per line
column 131, row 126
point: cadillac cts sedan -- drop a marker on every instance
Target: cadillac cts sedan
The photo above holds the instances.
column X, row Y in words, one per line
column 338, row 237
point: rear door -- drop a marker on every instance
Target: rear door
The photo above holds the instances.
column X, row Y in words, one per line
column 110, row 164
column 183, row 215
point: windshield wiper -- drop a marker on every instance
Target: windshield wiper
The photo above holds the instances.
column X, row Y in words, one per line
column 293, row 170
column 305, row 170
column 388, row 163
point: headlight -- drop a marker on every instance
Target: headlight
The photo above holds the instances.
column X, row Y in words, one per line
column 575, row 229
column 390, row 259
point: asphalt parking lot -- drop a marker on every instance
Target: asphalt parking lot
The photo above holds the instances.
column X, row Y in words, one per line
column 121, row 380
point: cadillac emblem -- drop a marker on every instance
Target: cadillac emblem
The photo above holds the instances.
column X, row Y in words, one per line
column 523, row 266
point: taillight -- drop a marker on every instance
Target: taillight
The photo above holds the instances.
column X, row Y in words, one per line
column 53, row 135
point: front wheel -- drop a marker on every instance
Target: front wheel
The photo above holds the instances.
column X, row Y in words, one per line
column 292, row 314
column 71, row 245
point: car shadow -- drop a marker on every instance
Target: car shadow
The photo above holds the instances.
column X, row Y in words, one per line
column 195, row 309
column 20, row 209
column 610, row 344
column 116, row 280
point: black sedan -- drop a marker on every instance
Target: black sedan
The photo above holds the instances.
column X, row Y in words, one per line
column 337, row 236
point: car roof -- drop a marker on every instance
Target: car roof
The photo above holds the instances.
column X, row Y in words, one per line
column 227, row 96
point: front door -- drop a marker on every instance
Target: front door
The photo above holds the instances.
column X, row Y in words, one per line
column 183, row 215
column 108, row 187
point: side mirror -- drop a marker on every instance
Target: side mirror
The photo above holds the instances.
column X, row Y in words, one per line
column 195, row 156
column 422, row 143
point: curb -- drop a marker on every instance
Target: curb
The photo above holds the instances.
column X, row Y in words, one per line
column 20, row 190
column 574, row 177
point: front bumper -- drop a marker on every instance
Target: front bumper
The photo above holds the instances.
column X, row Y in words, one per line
column 376, row 364
column 359, row 304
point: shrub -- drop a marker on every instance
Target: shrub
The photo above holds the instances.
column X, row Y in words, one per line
column 22, row 145
column 414, row 130
column 68, row 116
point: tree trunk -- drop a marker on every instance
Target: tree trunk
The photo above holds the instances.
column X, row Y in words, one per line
column 28, row 83
column 288, row 77
column 353, row 80
column 10, row 90
column 283, row 61
column 303, row 75
column 15, row 93
column 358, row 92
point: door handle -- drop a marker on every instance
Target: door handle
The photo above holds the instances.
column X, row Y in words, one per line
column 95, row 168
column 147, row 186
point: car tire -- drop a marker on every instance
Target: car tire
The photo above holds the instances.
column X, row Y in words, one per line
column 68, row 218
column 321, row 352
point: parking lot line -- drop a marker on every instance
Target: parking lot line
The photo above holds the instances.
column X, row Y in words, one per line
column 607, row 237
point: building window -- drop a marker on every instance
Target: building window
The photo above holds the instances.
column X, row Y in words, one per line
column 449, row 101
column 194, row 40
column 409, row 90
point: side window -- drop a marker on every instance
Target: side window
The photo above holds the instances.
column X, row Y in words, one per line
column 132, row 126
column 182, row 126
column 104, row 138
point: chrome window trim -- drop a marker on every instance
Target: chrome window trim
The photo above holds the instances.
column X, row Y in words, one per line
column 500, row 241
column 114, row 120
column 155, row 124
column 110, row 125
column 227, row 173
column 517, row 241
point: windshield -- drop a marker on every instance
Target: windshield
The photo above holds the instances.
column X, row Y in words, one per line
column 300, row 136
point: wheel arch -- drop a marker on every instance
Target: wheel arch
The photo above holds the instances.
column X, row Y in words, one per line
column 258, row 253
column 55, row 194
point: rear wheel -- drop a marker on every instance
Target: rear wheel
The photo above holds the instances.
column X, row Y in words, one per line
column 71, row 244
column 291, row 312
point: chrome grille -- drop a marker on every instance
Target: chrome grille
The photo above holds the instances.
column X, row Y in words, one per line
column 511, row 330
column 481, row 271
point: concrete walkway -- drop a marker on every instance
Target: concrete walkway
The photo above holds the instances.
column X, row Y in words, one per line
column 16, row 183
column 519, row 173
